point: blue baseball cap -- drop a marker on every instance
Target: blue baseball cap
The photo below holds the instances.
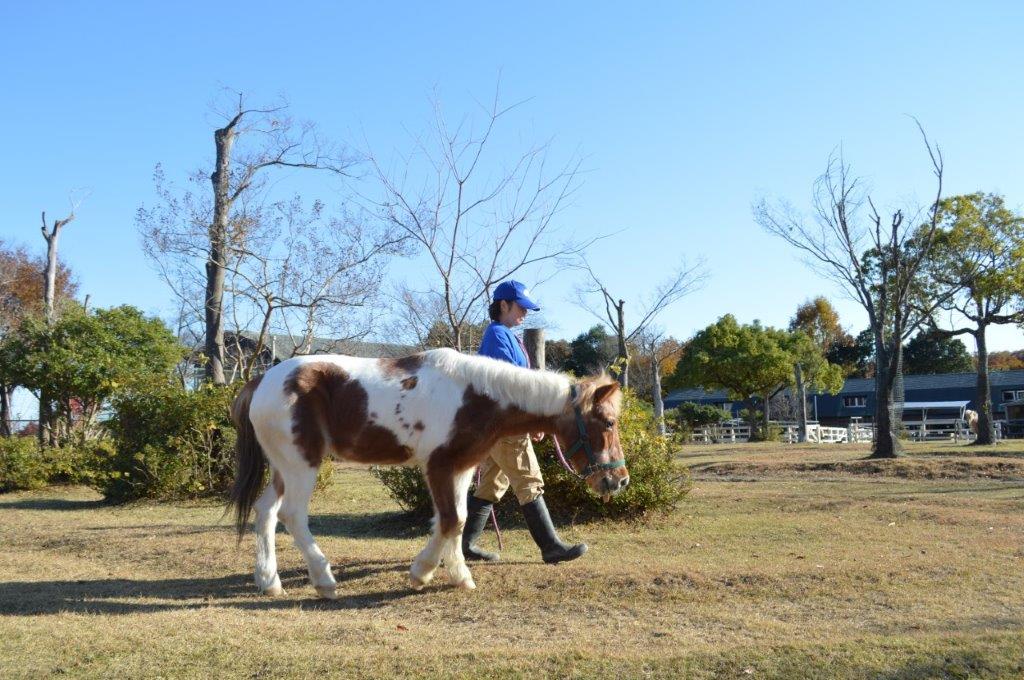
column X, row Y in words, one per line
column 513, row 291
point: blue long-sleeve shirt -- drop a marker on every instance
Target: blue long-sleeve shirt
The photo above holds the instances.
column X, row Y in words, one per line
column 499, row 343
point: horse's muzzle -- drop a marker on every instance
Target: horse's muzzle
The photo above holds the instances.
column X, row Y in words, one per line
column 614, row 485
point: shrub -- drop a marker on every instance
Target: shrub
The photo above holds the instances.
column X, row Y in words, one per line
column 689, row 416
column 407, row 487
column 168, row 443
column 22, row 466
column 657, row 482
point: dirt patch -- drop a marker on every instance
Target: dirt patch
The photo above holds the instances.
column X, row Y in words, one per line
column 906, row 468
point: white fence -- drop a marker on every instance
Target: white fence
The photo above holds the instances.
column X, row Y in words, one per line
column 734, row 431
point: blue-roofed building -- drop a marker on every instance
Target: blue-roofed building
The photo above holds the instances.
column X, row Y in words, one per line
column 857, row 398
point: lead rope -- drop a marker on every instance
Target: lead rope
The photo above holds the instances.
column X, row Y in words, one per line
column 562, row 460
column 494, row 515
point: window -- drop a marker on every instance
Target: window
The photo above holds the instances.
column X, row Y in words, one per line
column 1008, row 395
column 853, row 402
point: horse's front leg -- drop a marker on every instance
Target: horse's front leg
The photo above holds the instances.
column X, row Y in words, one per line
column 448, row 490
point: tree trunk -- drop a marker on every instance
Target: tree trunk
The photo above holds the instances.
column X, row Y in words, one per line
column 801, row 393
column 533, row 340
column 623, row 349
column 659, row 405
column 986, row 428
column 766, row 417
column 6, row 426
column 47, row 436
column 885, row 442
column 224, row 139
column 50, row 274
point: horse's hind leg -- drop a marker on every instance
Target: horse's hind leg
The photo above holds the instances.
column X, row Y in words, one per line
column 298, row 489
column 449, row 493
column 267, row 579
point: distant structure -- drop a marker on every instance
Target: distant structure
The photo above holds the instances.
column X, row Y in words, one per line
column 856, row 401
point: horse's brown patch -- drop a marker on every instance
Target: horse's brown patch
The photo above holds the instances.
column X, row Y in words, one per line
column 479, row 423
column 419, row 426
column 404, row 366
column 328, row 400
column 410, row 383
column 278, row 483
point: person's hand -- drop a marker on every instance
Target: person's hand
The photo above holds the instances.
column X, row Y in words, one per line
column 537, row 437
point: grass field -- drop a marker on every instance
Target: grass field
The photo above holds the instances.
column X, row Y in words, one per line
column 796, row 561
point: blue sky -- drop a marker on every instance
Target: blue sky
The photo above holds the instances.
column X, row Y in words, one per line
column 685, row 113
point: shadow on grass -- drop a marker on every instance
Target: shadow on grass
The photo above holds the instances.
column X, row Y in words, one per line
column 59, row 504
column 392, row 524
column 129, row 596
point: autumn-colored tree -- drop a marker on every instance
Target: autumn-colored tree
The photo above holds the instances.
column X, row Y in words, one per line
column 22, row 296
column 1005, row 361
column 819, row 320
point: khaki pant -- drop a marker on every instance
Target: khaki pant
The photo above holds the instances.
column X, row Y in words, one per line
column 511, row 462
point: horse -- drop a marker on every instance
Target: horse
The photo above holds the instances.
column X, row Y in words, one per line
column 440, row 410
column 971, row 418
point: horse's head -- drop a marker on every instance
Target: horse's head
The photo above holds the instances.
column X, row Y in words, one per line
column 590, row 429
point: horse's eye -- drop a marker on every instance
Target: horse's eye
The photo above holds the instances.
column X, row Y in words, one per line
column 608, row 424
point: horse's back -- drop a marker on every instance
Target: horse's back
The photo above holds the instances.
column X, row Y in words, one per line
column 380, row 411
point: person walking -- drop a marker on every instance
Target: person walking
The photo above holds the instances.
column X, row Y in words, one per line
column 512, row 461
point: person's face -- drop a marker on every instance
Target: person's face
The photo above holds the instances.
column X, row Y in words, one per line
column 512, row 313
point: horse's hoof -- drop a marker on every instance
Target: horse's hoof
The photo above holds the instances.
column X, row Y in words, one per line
column 327, row 592
column 416, row 583
column 466, row 584
column 274, row 591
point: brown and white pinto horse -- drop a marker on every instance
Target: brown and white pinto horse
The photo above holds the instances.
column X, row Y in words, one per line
column 441, row 410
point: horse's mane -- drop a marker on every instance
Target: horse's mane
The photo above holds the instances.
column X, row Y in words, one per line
column 540, row 392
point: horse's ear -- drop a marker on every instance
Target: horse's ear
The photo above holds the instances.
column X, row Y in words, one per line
column 605, row 392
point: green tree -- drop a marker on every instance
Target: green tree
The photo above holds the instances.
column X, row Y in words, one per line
column 747, row 360
column 556, row 353
column 977, row 270
column 856, row 355
column 929, row 353
column 591, row 352
column 811, row 371
column 82, row 359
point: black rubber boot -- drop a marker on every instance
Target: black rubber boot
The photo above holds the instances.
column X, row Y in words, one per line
column 477, row 513
column 552, row 550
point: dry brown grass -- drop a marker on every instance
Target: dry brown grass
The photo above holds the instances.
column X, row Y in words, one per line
column 784, row 562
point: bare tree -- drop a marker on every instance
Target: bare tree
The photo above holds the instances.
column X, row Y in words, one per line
column 658, row 350
column 305, row 273
column 51, row 233
column 213, row 228
column 686, row 279
column 474, row 223
column 877, row 261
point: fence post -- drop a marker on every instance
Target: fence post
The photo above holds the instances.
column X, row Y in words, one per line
column 533, row 338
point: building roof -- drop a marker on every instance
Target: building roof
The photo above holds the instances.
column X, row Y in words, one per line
column 937, row 382
column 913, row 405
column 284, row 346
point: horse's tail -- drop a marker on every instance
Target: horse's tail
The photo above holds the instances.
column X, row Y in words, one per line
column 250, row 464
